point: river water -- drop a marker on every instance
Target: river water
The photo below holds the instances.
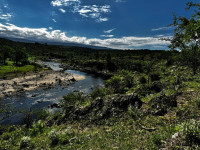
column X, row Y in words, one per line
column 41, row 99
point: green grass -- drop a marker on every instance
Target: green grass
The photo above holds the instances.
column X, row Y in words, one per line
column 11, row 70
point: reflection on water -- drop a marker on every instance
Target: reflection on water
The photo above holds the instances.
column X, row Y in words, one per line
column 40, row 98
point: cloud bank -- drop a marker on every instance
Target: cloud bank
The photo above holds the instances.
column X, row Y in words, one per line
column 44, row 34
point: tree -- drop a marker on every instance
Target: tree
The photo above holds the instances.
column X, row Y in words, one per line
column 20, row 56
column 187, row 37
column 6, row 52
column 149, row 67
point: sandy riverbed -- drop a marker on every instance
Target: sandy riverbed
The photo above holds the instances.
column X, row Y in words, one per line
column 44, row 79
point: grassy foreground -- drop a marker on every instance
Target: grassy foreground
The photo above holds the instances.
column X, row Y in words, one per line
column 149, row 127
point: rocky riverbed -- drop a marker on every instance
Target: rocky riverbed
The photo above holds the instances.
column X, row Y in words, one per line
column 45, row 79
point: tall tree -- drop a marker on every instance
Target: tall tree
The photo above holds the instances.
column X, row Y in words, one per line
column 187, row 37
column 6, row 52
column 20, row 56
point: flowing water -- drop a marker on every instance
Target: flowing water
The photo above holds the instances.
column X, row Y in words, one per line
column 41, row 99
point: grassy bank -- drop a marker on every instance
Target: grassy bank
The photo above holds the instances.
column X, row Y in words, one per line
column 10, row 70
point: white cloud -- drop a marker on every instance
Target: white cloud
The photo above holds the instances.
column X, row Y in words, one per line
column 64, row 2
column 6, row 16
column 62, row 10
column 50, row 28
column 88, row 11
column 43, row 34
column 108, row 36
column 102, row 19
column 162, row 28
column 93, row 11
column 109, row 31
column 54, row 20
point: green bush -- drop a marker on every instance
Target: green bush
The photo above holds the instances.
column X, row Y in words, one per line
column 28, row 119
column 54, row 137
column 26, row 143
column 37, row 128
column 6, row 136
column 42, row 114
column 64, row 139
column 143, row 80
column 101, row 93
column 191, row 130
column 155, row 77
column 74, row 99
column 116, row 84
column 157, row 140
column 69, row 132
column 198, row 102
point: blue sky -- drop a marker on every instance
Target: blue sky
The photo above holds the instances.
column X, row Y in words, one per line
column 122, row 24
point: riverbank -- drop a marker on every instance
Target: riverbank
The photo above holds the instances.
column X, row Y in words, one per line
column 104, row 73
column 31, row 81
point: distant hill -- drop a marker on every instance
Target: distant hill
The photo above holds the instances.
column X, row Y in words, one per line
column 56, row 43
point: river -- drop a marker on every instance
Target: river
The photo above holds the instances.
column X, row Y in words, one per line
column 41, row 99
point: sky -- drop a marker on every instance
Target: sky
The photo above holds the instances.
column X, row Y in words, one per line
column 118, row 24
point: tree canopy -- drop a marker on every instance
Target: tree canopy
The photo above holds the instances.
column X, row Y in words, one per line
column 187, row 36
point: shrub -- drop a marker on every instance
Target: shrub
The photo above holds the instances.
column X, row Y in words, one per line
column 157, row 86
column 198, row 102
column 69, row 132
column 6, row 136
column 191, row 130
column 26, row 143
column 64, row 139
column 42, row 114
column 155, row 77
column 116, row 84
column 37, row 128
column 157, row 140
column 143, row 80
column 73, row 99
column 54, row 137
column 28, row 119
column 100, row 93
column 128, row 78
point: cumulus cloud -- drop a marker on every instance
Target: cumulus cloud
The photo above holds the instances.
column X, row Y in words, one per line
column 43, row 34
column 88, row 11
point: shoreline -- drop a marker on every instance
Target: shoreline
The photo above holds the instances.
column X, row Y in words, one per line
column 44, row 79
